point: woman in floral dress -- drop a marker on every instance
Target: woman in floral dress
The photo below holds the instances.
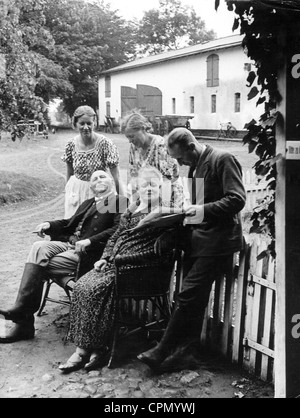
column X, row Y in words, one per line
column 149, row 149
column 93, row 303
column 86, row 153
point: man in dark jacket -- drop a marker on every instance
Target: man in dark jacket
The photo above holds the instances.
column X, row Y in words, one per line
column 213, row 232
column 76, row 244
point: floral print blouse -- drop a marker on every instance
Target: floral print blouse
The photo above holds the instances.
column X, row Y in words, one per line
column 103, row 156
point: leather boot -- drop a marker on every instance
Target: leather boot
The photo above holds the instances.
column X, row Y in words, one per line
column 29, row 295
column 22, row 330
column 174, row 333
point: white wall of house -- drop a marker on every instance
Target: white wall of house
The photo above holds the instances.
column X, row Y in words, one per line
column 186, row 77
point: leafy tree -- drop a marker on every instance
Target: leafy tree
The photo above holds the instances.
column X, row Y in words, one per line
column 89, row 37
column 30, row 79
column 52, row 80
column 17, row 35
column 171, row 26
column 56, row 49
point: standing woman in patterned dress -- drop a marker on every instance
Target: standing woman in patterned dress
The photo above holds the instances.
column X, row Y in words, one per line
column 146, row 149
column 86, row 153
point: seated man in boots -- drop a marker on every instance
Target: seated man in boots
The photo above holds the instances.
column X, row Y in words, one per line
column 213, row 233
column 81, row 238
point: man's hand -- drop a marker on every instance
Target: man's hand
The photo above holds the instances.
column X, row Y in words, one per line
column 40, row 230
column 194, row 215
column 81, row 246
column 100, row 265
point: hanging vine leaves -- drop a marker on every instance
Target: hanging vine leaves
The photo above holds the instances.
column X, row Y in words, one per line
column 260, row 26
column 236, row 24
column 251, row 78
column 253, row 93
column 260, row 101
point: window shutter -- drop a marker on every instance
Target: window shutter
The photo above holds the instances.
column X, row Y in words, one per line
column 215, row 70
column 210, row 72
column 108, row 109
column 108, row 86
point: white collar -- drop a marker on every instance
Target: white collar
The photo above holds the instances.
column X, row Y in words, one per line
column 104, row 197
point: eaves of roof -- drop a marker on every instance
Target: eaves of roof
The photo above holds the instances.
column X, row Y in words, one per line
column 223, row 43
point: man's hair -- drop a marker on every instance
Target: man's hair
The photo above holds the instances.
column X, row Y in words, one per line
column 181, row 137
column 136, row 122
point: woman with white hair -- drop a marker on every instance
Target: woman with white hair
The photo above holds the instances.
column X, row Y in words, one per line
column 85, row 154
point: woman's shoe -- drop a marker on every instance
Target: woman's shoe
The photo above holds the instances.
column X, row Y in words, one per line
column 75, row 362
column 96, row 362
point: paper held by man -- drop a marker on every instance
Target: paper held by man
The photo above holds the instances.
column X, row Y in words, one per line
column 160, row 220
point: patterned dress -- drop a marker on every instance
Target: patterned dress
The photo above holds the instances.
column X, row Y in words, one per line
column 103, row 156
column 157, row 156
column 93, row 302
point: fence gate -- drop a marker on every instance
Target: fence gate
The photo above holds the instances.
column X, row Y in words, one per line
column 260, row 313
column 239, row 320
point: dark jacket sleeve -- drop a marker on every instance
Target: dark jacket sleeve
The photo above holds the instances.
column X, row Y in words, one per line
column 230, row 177
column 60, row 230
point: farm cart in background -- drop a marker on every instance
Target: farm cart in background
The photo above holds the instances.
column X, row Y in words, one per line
column 163, row 125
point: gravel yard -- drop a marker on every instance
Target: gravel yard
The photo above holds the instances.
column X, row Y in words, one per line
column 30, row 369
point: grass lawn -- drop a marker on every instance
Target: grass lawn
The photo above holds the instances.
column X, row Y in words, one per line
column 17, row 187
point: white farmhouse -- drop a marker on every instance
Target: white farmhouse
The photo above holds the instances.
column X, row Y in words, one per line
column 205, row 81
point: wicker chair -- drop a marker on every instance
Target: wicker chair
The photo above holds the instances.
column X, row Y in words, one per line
column 143, row 285
column 66, row 282
column 66, row 301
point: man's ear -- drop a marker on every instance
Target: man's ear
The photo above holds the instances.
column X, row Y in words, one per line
column 191, row 146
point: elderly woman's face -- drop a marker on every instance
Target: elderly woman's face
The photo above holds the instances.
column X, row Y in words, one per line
column 86, row 124
column 101, row 183
column 149, row 187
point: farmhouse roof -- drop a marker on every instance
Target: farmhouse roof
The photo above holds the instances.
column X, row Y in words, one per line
column 217, row 44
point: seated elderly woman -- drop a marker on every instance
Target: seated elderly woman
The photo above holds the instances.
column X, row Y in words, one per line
column 93, row 303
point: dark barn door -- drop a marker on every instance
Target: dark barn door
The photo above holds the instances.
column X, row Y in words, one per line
column 147, row 99
column 128, row 100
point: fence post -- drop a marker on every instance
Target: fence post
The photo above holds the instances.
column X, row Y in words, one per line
column 240, row 313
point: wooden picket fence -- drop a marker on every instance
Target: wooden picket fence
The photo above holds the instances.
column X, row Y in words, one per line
column 240, row 316
column 239, row 320
column 255, row 190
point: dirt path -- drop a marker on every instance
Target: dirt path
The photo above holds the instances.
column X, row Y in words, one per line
column 30, row 369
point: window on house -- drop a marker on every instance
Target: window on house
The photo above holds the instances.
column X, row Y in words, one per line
column 108, row 86
column 213, row 71
column 108, row 109
column 192, row 104
column 174, row 106
column 213, row 103
column 237, row 102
